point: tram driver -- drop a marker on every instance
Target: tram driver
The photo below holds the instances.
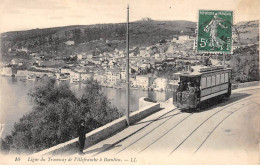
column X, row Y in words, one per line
column 181, row 87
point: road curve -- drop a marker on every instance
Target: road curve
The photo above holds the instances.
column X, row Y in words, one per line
column 225, row 133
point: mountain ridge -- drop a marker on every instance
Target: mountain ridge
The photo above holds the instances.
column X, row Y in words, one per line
column 107, row 37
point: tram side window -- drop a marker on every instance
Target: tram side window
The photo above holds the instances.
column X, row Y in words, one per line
column 222, row 78
column 217, row 79
column 213, row 80
column 208, row 81
column 203, row 83
column 226, row 77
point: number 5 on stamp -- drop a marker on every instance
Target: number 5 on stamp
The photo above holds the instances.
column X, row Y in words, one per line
column 215, row 31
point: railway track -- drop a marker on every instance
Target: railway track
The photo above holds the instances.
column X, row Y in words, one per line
column 218, row 126
column 197, row 128
column 181, row 121
column 232, row 104
column 126, row 137
column 210, row 117
column 148, row 133
column 165, row 133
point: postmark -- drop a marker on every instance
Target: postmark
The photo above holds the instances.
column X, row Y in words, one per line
column 215, row 31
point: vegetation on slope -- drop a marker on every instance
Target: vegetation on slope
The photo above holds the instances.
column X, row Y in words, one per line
column 56, row 115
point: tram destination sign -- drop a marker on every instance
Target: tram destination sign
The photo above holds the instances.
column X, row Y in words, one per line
column 215, row 31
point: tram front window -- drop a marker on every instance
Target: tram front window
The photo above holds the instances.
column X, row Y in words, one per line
column 189, row 84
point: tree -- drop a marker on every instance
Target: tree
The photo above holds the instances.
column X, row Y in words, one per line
column 77, row 34
column 50, row 92
column 245, row 63
column 56, row 116
column 100, row 108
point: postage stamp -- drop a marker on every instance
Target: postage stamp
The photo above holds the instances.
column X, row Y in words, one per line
column 215, row 31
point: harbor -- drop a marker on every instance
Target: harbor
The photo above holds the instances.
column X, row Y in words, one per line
column 16, row 102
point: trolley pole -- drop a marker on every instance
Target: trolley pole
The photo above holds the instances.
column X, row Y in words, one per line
column 127, row 68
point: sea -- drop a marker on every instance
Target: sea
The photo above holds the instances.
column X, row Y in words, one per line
column 15, row 101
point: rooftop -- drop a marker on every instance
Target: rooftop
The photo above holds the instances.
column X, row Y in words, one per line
column 200, row 69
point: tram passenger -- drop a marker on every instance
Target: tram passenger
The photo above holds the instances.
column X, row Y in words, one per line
column 181, row 87
column 191, row 87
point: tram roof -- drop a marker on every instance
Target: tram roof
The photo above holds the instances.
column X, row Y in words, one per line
column 199, row 70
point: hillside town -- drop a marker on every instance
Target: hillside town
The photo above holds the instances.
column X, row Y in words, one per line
column 108, row 68
column 152, row 67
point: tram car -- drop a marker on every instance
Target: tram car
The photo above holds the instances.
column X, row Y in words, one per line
column 202, row 84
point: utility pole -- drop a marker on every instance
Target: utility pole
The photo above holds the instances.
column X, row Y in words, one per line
column 224, row 59
column 127, row 68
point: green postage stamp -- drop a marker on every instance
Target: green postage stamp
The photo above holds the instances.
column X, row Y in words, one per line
column 215, row 31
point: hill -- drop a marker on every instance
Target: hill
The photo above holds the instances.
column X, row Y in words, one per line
column 100, row 38
column 90, row 37
column 248, row 32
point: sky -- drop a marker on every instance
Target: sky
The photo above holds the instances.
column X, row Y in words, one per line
column 30, row 14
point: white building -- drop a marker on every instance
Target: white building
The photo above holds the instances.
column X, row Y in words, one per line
column 145, row 65
column 123, row 75
column 184, row 37
column 113, row 76
column 142, row 81
column 160, row 84
column 75, row 76
column 23, row 49
column 89, row 56
column 65, row 70
column 131, row 55
column 83, row 62
column 79, row 57
column 143, row 53
column 69, row 42
column 14, row 61
column 97, row 62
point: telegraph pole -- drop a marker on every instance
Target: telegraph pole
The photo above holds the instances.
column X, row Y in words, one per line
column 127, row 68
column 224, row 59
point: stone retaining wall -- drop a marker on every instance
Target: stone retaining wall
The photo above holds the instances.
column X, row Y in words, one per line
column 103, row 132
column 243, row 85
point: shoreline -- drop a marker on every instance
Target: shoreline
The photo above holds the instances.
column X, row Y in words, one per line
column 77, row 83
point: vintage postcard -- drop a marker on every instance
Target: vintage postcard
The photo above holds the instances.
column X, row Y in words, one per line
column 120, row 82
